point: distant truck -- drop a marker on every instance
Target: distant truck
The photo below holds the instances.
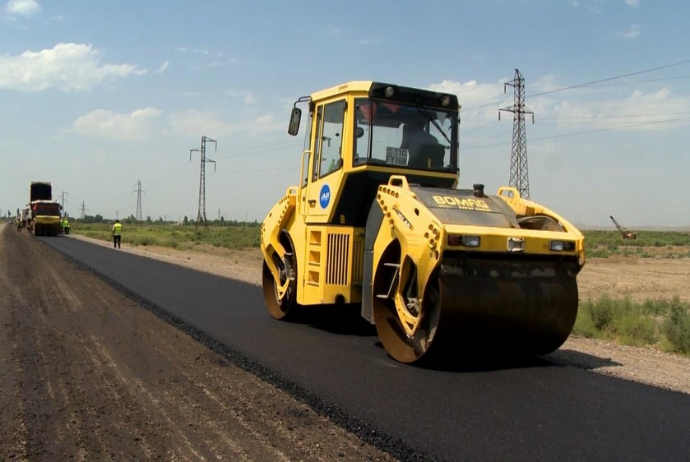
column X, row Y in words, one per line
column 45, row 212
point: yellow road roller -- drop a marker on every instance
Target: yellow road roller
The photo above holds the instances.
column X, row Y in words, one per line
column 377, row 221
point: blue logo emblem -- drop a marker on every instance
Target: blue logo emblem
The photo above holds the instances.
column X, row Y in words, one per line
column 325, row 196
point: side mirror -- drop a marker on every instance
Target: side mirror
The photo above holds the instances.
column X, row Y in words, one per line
column 295, row 117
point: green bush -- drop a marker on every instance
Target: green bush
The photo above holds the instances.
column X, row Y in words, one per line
column 676, row 328
column 654, row 321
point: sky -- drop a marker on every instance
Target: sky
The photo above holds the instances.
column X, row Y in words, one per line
column 97, row 96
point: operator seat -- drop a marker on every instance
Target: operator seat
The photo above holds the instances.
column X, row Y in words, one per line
column 427, row 156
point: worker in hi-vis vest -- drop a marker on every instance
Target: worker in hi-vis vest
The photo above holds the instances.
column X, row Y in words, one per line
column 117, row 234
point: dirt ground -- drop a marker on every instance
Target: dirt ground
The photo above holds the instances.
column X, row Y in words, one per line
column 86, row 374
column 641, row 278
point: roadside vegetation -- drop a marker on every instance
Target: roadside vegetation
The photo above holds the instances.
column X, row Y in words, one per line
column 238, row 235
column 648, row 244
column 184, row 237
column 664, row 322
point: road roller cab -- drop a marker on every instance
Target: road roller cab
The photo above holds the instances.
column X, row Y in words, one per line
column 376, row 221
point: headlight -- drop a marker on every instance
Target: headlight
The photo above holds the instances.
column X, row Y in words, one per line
column 465, row 241
column 471, row 241
column 516, row 244
column 561, row 246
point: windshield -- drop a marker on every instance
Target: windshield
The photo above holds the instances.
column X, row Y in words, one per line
column 405, row 136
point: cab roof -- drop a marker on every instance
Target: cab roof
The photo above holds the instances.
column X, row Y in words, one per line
column 377, row 89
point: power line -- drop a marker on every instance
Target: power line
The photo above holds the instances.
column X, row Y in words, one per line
column 609, row 79
column 487, row 103
column 658, row 122
column 605, row 116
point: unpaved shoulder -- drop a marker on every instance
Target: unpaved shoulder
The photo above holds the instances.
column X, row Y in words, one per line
column 87, row 374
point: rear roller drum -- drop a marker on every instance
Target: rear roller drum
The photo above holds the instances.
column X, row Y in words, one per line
column 280, row 308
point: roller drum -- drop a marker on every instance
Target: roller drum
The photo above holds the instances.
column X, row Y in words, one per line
column 482, row 306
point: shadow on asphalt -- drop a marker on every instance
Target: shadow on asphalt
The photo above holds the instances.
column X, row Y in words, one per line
column 488, row 362
column 347, row 320
column 335, row 319
column 581, row 360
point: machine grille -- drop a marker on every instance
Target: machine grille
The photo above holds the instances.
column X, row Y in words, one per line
column 358, row 261
column 338, row 259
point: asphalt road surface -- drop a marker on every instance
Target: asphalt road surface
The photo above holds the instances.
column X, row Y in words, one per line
column 536, row 410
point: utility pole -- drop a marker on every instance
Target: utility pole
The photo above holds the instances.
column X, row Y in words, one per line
column 62, row 202
column 519, row 176
column 201, row 214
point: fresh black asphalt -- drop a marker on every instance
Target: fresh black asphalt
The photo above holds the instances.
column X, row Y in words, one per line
column 532, row 411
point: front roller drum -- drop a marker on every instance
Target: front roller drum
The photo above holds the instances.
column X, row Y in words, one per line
column 480, row 308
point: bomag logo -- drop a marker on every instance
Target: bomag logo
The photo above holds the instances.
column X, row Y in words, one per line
column 462, row 203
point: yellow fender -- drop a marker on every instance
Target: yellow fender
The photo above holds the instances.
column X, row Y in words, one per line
column 271, row 228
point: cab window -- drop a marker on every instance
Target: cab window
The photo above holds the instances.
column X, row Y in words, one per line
column 329, row 142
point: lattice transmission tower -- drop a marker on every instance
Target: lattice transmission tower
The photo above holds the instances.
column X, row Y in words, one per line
column 82, row 211
column 201, row 215
column 139, row 215
column 519, row 175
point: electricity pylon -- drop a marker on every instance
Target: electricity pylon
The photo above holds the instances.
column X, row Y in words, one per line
column 139, row 215
column 83, row 211
column 201, row 214
column 519, row 176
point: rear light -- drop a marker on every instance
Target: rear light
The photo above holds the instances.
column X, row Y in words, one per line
column 464, row 241
column 561, row 246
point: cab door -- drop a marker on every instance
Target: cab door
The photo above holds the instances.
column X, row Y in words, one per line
column 327, row 161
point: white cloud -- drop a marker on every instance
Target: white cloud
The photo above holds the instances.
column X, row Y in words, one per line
column 631, row 32
column 196, row 123
column 574, row 3
column 225, row 62
column 108, row 124
column 24, row 8
column 577, row 111
column 192, row 50
column 247, row 97
column 632, row 3
column 650, row 111
column 67, row 66
column 163, row 67
column 477, row 100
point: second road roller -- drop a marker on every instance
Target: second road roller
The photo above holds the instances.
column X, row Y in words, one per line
column 377, row 220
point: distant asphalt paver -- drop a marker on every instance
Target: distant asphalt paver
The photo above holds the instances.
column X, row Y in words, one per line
column 532, row 411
